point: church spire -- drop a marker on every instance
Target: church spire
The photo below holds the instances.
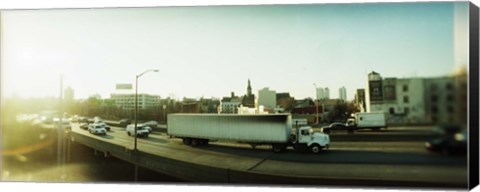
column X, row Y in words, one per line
column 249, row 89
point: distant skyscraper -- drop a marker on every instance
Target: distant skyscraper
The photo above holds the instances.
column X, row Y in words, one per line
column 327, row 93
column 320, row 93
column 68, row 94
column 267, row 98
column 343, row 94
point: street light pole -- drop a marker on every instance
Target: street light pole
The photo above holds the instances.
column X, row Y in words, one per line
column 165, row 113
column 316, row 103
column 136, row 104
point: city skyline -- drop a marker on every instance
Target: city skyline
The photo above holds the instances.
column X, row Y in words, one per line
column 213, row 51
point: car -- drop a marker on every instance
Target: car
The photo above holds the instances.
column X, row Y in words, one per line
column 142, row 130
column 145, row 126
column 124, row 122
column 97, row 119
column 97, row 129
column 104, row 125
column 153, row 124
column 84, row 126
column 449, row 143
column 337, row 126
column 64, row 123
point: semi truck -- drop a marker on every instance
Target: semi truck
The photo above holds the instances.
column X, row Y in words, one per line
column 254, row 129
column 367, row 120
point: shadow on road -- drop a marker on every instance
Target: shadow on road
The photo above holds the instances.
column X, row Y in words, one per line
column 243, row 151
column 106, row 136
column 370, row 157
column 157, row 140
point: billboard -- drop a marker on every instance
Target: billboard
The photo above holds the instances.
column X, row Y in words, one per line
column 375, row 90
column 123, row 86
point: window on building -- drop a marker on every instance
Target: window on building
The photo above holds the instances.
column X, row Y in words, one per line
column 434, row 98
column 450, row 109
column 405, row 99
column 392, row 110
column 405, row 88
column 406, row 110
column 449, row 86
column 450, row 98
column 434, row 109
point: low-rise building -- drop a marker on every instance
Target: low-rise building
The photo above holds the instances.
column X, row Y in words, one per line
column 127, row 101
column 418, row 100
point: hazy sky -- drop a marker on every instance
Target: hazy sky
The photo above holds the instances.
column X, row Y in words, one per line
column 214, row 50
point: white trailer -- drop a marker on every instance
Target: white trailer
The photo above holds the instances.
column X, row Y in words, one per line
column 254, row 129
column 368, row 120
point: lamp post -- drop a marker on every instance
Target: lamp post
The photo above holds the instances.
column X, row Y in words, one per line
column 136, row 103
column 316, row 103
column 165, row 113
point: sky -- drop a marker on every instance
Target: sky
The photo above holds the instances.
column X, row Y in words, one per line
column 211, row 51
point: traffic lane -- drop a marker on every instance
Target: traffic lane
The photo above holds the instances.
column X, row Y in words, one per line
column 162, row 145
column 341, row 152
column 385, row 146
column 295, row 164
column 457, row 176
column 370, row 157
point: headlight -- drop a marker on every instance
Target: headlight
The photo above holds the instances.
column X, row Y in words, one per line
column 428, row 145
column 459, row 137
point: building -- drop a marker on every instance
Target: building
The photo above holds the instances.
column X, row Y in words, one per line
column 284, row 101
column 68, row 99
column 327, row 93
column 230, row 105
column 127, row 101
column 360, row 100
column 249, row 99
column 68, row 95
column 320, row 93
column 267, row 98
column 323, row 93
column 342, row 93
column 190, row 107
column 418, row 100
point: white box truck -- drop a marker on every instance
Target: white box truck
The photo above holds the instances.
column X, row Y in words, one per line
column 254, row 129
column 367, row 120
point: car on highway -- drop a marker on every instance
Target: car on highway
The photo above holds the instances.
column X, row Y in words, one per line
column 97, row 119
column 142, row 130
column 148, row 127
column 84, row 126
column 104, row 125
column 124, row 122
column 449, row 143
column 97, row 129
column 336, row 126
column 64, row 123
column 152, row 124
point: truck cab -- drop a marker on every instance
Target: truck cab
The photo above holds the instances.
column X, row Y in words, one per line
column 307, row 138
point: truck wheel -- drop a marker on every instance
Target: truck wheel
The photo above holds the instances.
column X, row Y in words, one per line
column 187, row 141
column 315, row 148
column 278, row 148
column 203, row 142
column 195, row 142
